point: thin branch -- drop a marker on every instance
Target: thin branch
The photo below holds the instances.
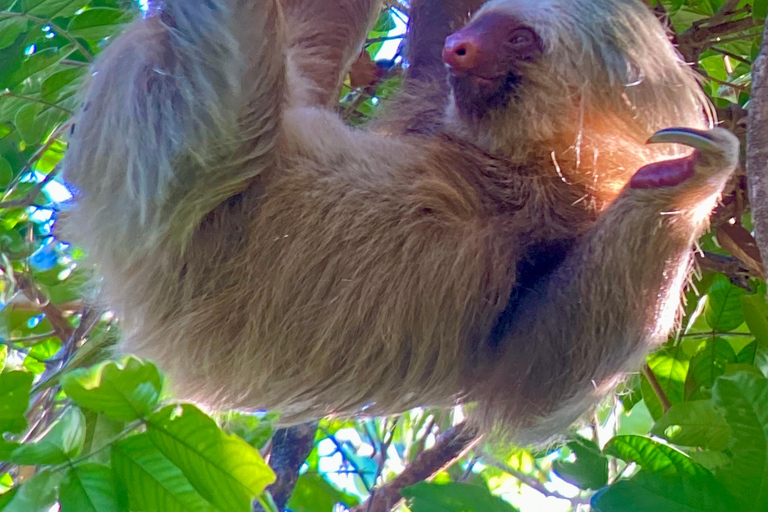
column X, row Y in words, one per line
column 60, row 324
column 731, row 55
column 742, row 88
column 530, row 481
column 29, row 199
column 355, row 467
column 381, row 39
column 32, row 99
column 451, row 446
column 731, row 267
column 290, row 448
column 657, row 389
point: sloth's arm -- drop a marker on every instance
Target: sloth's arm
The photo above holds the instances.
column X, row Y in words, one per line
column 614, row 296
column 182, row 113
column 325, row 38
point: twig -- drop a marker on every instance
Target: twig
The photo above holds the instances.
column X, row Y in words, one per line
column 60, row 324
column 29, row 199
column 381, row 39
column 657, row 389
column 731, row 55
column 757, row 147
column 449, row 447
column 731, row 267
column 530, row 481
column 357, row 469
column 32, row 99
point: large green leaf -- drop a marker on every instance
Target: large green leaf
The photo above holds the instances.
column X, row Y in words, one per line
column 125, row 391
column 744, row 398
column 154, row 483
column 696, row 423
column 63, row 441
column 653, row 456
column 653, row 492
column 709, row 363
column 224, row 469
column 98, row 23
column 52, row 8
column 36, row 495
column 453, row 497
column 14, row 400
column 723, row 311
column 91, row 488
column 313, row 493
column 589, row 471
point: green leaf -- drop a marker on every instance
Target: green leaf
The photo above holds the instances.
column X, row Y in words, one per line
column 52, row 8
column 744, row 398
column 670, row 366
column 11, row 29
column 98, row 23
column 91, row 488
column 223, row 468
column 71, row 288
column 37, row 62
column 60, row 82
column 313, row 493
column 36, row 495
column 724, row 312
column 589, row 471
column 6, row 173
column 653, row 492
column 154, row 483
column 756, row 315
column 125, row 391
column 760, row 10
column 453, row 497
column 385, row 23
column 653, row 456
column 696, row 423
column 63, row 441
column 253, row 430
column 709, row 363
column 14, row 400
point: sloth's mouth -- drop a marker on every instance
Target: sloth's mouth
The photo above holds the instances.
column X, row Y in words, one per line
column 476, row 94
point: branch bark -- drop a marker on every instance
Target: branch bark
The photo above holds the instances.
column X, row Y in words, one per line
column 290, row 448
column 757, row 147
column 452, row 445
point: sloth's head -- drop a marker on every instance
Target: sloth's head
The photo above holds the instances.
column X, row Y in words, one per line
column 542, row 72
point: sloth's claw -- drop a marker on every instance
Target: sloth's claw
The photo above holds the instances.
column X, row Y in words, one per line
column 697, row 139
column 716, row 153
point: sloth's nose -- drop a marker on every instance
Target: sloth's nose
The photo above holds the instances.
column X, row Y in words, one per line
column 462, row 52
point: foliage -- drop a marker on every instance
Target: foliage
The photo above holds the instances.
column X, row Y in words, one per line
column 688, row 434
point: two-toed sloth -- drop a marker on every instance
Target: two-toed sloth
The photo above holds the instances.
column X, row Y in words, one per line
column 502, row 235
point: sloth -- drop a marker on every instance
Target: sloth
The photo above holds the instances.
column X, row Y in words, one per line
column 502, row 235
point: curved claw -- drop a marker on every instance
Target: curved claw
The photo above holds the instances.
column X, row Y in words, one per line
column 697, row 139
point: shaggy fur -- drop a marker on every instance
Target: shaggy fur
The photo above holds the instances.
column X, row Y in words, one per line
column 268, row 256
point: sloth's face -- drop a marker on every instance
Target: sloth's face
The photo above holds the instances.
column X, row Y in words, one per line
column 487, row 61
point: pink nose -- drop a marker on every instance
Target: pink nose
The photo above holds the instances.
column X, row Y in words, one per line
column 462, row 52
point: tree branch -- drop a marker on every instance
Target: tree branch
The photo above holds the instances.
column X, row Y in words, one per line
column 451, row 446
column 290, row 448
column 757, row 147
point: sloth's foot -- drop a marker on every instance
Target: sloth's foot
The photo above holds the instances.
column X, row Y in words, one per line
column 716, row 154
